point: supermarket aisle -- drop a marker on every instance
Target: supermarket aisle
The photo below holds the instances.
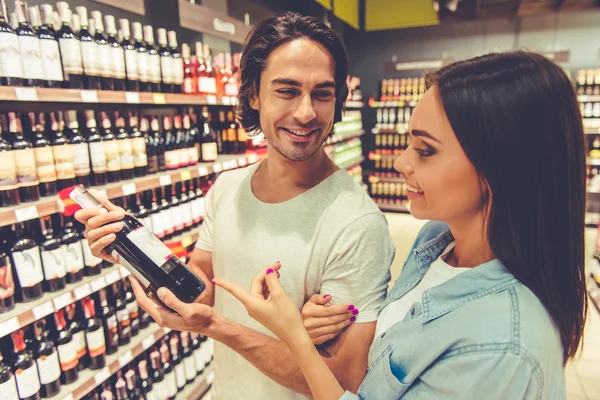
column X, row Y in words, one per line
column 583, row 374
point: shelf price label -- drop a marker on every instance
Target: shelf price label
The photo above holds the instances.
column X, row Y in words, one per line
column 102, row 375
column 9, row 326
column 128, row 188
column 113, row 276
column 89, row 96
column 26, row 94
column 132, row 97
column 217, row 167
column 252, row 158
column 42, row 310
column 63, row 300
column 186, row 175
column 159, row 98
column 226, row 100
column 242, row 161
column 164, row 180
column 202, row 171
column 98, row 283
column 149, row 341
column 125, row 358
column 82, row 291
column 211, row 99
column 68, row 397
column 26, row 213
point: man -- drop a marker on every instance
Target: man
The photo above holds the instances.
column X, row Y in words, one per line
column 296, row 207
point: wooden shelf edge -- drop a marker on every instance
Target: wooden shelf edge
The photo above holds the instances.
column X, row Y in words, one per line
column 375, row 179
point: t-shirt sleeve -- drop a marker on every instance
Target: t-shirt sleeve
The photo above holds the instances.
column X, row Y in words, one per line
column 358, row 266
column 205, row 241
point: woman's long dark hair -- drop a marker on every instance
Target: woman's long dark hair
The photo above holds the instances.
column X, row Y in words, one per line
column 517, row 118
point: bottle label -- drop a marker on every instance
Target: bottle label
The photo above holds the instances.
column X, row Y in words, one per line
column 31, row 58
column 123, row 316
column 126, row 152
column 154, row 68
column 112, row 327
column 28, row 381
column 7, row 282
column 67, row 354
column 158, row 227
column 133, row 309
column 193, row 154
column 10, row 56
column 140, row 159
column 70, row 50
column 44, row 159
column 171, row 384
column 231, row 135
column 207, row 85
column 177, row 217
column 63, row 159
column 51, row 60
column 156, row 250
column 190, row 368
column 160, row 390
column 118, row 56
column 231, row 89
column 153, row 164
column 199, row 359
column 184, row 157
column 79, row 339
column 98, row 157
column 242, row 135
column 91, row 62
column 113, row 159
column 107, row 63
column 143, row 62
column 178, row 70
column 89, row 259
column 180, row 375
column 166, row 66
column 172, row 159
column 49, row 368
column 131, row 63
column 188, row 85
column 8, row 170
column 73, row 257
column 186, row 211
column 168, row 222
column 209, row 151
column 53, row 264
column 147, row 222
column 81, row 159
column 26, row 171
column 9, row 389
column 29, row 267
column 195, row 208
column 95, row 342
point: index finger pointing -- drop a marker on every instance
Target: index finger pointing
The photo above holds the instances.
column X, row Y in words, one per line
column 237, row 291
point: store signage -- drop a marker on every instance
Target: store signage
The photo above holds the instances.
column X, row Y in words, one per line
column 224, row 26
column 391, row 66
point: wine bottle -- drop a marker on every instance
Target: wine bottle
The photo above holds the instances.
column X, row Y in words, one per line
column 132, row 308
column 177, row 362
column 9, row 188
column 8, row 384
column 53, row 262
column 232, row 134
column 77, row 328
column 138, row 143
column 146, row 257
column 79, row 145
column 158, row 226
column 168, row 372
column 183, row 154
column 63, row 153
column 171, row 155
column 109, row 323
column 207, row 80
column 165, row 213
column 141, row 213
column 11, row 69
column 107, row 395
column 70, row 49
column 159, row 383
column 222, row 137
column 125, row 148
column 46, row 358
column 143, row 58
column 89, row 52
column 27, row 263
column 177, row 63
column 29, row 46
column 190, row 82
column 166, row 61
column 131, row 57
column 121, row 389
column 186, row 206
column 67, row 349
column 188, row 360
column 159, row 144
column 7, row 282
column 192, row 139
column 134, row 392
column 122, row 314
column 44, row 156
column 94, row 337
column 97, row 151
column 242, row 138
column 111, row 148
column 197, row 353
column 29, row 185
column 28, row 381
column 146, row 383
column 73, row 253
column 191, row 194
column 150, row 148
column 209, row 145
column 107, row 63
column 153, row 59
column 49, row 50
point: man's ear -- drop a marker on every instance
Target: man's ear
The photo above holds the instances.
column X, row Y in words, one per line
column 254, row 102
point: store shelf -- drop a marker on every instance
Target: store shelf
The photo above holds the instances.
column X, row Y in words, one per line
column 352, row 164
column 342, row 138
column 354, row 104
column 393, row 103
column 201, row 385
column 51, row 205
column 402, row 208
column 593, row 162
column 587, row 98
column 592, row 219
column 89, row 379
column 593, row 190
column 594, row 292
column 379, row 156
column 390, row 179
column 76, row 96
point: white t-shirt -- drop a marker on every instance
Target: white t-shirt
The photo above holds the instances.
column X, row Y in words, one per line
column 331, row 239
column 438, row 273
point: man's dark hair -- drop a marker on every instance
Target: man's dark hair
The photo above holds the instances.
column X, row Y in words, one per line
column 269, row 35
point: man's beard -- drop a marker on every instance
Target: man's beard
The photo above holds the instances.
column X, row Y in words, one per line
column 297, row 153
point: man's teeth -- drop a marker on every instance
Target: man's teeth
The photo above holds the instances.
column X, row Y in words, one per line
column 300, row 133
column 413, row 189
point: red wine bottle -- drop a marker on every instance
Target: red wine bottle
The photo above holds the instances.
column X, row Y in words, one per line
column 70, row 49
column 94, row 337
column 63, row 152
column 81, row 154
column 171, row 155
column 77, row 328
column 185, row 205
column 132, row 308
column 158, row 226
column 146, row 384
column 26, row 372
column 138, row 143
column 153, row 59
column 27, row 263
column 121, row 313
column 177, row 362
column 140, row 211
column 49, row 48
column 111, row 148
column 7, row 281
column 109, row 323
column 134, row 392
column 189, row 365
column 177, row 62
column 166, row 61
column 52, row 252
column 131, row 57
column 73, row 254
column 197, row 353
column 92, row 264
column 9, row 189
column 168, row 371
column 104, row 50
column 176, row 212
column 125, row 148
column 121, row 389
column 67, row 349
column 29, row 185
column 11, row 69
column 191, row 139
column 97, row 152
column 8, row 384
column 150, row 147
column 117, row 54
column 44, row 156
column 159, row 144
column 165, row 212
column 46, row 358
column 183, row 154
column 143, row 59
column 146, row 257
column 29, row 46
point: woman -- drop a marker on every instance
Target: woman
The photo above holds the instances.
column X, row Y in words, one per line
column 491, row 301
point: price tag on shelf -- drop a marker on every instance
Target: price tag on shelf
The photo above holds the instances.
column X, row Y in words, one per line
column 186, row 175
column 43, row 309
column 202, row 171
column 132, row 97
column 252, row 158
column 9, row 326
column 89, row 96
column 242, row 161
column 124, row 272
column 217, row 167
column 164, row 180
column 82, row 291
column 210, row 377
column 373, row 179
column 98, row 283
column 159, row 98
column 102, row 375
column 26, row 213
column 68, row 397
column 166, row 330
column 26, row 94
column 128, row 188
column 125, row 358
column 62, row 301
column 211, row 99
column 187, row 241
column 149, row 341
column 113, row 276
column 226, row 100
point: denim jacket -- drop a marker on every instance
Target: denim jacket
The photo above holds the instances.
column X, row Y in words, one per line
column 480, row 335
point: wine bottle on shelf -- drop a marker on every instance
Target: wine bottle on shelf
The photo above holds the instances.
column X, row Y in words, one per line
column 49, row 52
column 46, row 358
column 166, row 62
column 111, row 149
column 183, row 155
column 44, row 156
column 29, row 185
column 146, row 257
column 210, row 84
column 29, row 46
column 28, row 381
column 192, row 139
column 158, row 226
column 146, row 383
column 176, row 360
column 176, row 211
column 11, row 69
column 116, row 52
column 223, row 137
column 168, row 372
column 150, row 147
column 131, row 57
column 140, row 211
column 122, row 314
column 9, row 188
column 145, row 319
column 177, row 63
column 153, row 59
column 232, row 134
column 188, row 360
column 73, row 253
column 7, row 281
column 52, row 257
column 159, row 144
column 143, row 58
column 242, row 138
column 132, row 308
column 138, row 143
column 185, row 206
column 92, row 264
column 191, row 195
column 109, row 323
column 197, row 353
column 79, row 144
column 200, row 200
column 134, row 392
column 190, row 82
column 63, row 153
column 8, row 384
column 70, row 49
column 208, row 140
column 171, row 156
column 97, row 151
column 77, row 328
column 67, row 349
column 107, row 64
column 165, row 212
column 121, row 389
column 94, row 337
column 27, row 263
column 125, row 148
column 89, row 52
column 202, row 77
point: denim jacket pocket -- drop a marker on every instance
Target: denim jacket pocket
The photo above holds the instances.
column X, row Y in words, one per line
column 380, row 382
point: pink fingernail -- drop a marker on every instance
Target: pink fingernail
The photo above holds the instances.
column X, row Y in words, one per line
column 355, row 311
column 213, row 281
column 350, row 307
column 270, row 271
column 353, row 319
column 325, row 296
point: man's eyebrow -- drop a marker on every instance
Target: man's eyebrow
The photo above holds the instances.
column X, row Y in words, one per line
column 293, row 82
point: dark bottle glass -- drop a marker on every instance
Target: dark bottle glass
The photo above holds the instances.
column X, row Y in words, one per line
column 52, row 253
column 177, row 62
column 159, row 385
column 29, row 47
column 67, row 349
column 125, row 148
column 183, row 154
column 170, row 137
column 165, row 213
column 77, row 328
column 121, row 313
column 27, row 263
column 104, row 53
column 158, row 227
column 89, row 53
column 132, row 308
column 7, row 281
column 192, row 136
column 29, row 185
column 109, row 323
column 46, row 358
column 74, row 253
column 150, row 147
column 140, row 211
column 28, row 381
column 209, row 148
column 223, row 137
column 49, row 49
column 63, row 152
column 121, row 389
column 192, row 203
column 138, row 143
column 177, row 362
column 111, row 148
column 70, row 49
column 117, row 54
column 232, row 139
column 188, row 358
column 185, row 205
column 145, row 319
column 97, row 151
column 168, row 372
column 92, row 264
column 44, row 156
column 131, row 57
column 9, row 189
column 166, row 61
column 79, row 144
column 94, row 337
column 153, row 59
column 8, row 384
column 143, row 58
column 146, row 384
column 176, row 210
column 197, row 352
column 11, row 70
column 134, row 392
column 159, row 144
